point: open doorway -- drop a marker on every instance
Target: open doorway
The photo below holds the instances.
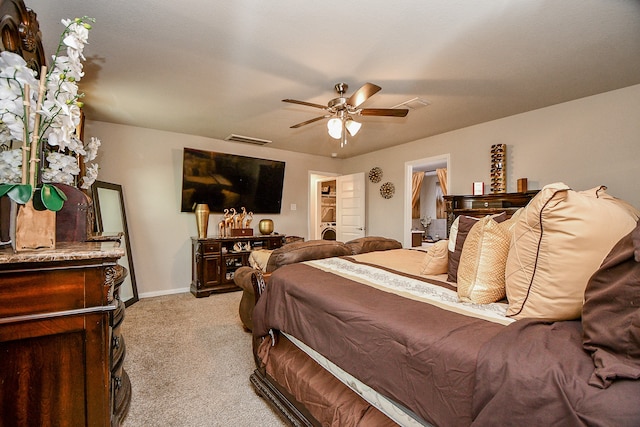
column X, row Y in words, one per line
column 337, row 207
column 426, row 221
column 322, row 186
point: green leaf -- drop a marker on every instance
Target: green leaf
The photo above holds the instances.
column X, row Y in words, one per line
column 4, row 188
column 19, row 193
column 52, row 198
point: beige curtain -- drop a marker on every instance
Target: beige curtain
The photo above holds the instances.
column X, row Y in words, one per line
column 416, row 186
column 441, row 210
column 442, row 177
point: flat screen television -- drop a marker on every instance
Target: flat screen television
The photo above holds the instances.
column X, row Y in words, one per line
column 225, row 181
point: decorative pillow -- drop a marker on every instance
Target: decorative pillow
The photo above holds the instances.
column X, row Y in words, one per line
column 460, row 228
column 484, row 259
column 561, row 239
column 611, row 314
column 436, row 260
column 363, row 245
column 259, row 258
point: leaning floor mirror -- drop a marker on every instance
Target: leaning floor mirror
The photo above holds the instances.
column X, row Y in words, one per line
column 110, row 217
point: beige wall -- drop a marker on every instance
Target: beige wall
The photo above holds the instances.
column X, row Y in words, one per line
column 584, row 143
column 148, row 164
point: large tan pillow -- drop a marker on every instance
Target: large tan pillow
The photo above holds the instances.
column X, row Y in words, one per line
column 436, row 260
column 484, row 259
column 560, row 240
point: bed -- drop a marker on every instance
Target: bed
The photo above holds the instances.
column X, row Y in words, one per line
column 369, row 340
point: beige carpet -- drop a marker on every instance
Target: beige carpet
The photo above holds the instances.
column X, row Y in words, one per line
column 189, row 360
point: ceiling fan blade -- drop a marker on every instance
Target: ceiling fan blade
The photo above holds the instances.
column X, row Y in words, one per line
column 308, row 121
column 362, row 94
column 391, row 112
column 308, row 104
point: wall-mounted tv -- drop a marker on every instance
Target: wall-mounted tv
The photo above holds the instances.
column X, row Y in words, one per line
column 225, row 181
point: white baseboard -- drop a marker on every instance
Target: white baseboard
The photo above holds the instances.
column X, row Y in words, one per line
column 161, row 293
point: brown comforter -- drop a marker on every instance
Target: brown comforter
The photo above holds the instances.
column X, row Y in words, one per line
column 448, row 368
column 537, row 373
column 423, row 357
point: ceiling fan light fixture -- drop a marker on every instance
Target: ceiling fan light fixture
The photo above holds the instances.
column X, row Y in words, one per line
column 335, row 128
column 352, row 126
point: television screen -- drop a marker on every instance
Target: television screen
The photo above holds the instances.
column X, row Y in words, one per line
column 225, row 181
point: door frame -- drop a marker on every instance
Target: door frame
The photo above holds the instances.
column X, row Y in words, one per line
column 313, row 223
column 425, row 164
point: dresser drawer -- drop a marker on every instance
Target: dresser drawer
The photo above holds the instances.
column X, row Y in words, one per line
column 210, row 247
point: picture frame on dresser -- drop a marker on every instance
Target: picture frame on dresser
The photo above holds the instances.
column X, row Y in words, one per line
column 110, row 217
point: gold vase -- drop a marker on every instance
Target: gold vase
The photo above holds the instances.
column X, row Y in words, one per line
column 202, row 219
column 265, row 226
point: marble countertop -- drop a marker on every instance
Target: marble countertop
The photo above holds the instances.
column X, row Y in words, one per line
column 64, row 251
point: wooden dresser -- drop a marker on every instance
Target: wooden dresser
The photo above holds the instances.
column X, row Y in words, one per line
column 61, row 350
column 215, row 260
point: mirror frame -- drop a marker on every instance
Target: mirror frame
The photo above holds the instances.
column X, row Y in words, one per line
column 127, row 246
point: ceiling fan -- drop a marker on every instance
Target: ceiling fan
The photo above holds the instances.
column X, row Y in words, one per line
column 341, row 110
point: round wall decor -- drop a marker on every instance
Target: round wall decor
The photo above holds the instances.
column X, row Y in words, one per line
column 375, row 174
column 387, row 190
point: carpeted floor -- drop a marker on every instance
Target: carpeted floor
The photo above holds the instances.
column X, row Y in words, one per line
column 189, row 360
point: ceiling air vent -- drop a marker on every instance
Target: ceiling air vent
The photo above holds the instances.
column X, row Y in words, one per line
column 246, row 139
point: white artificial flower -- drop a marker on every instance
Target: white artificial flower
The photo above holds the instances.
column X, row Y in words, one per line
column 59, row 114
column 14, row 66
column 77, row 36
column 11, row 166
column 92, row 149
column 90, row 176
column 62, row 168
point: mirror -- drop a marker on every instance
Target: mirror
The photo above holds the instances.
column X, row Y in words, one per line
column 110, row 216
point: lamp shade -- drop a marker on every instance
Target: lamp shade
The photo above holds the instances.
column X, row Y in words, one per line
column 352, row 126
column 335, row 128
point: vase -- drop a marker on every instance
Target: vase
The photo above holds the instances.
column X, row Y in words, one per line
column 202, row 219
column 265, row 226
column 32, row 229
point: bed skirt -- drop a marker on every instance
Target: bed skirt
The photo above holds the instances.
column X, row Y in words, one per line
column 304, row 393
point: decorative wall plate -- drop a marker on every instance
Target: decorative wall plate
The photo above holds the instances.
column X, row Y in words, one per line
column 375, row 174
column 387, row 190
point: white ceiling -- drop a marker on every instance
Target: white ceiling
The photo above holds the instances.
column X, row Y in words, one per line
column 215, row 68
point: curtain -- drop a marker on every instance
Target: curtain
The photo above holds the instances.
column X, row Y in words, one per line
column 442, row 177
column 441, row 211
column 416, row 186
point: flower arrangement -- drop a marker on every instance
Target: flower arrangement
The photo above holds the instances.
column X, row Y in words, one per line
column 426, row 222
column 42, row 115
